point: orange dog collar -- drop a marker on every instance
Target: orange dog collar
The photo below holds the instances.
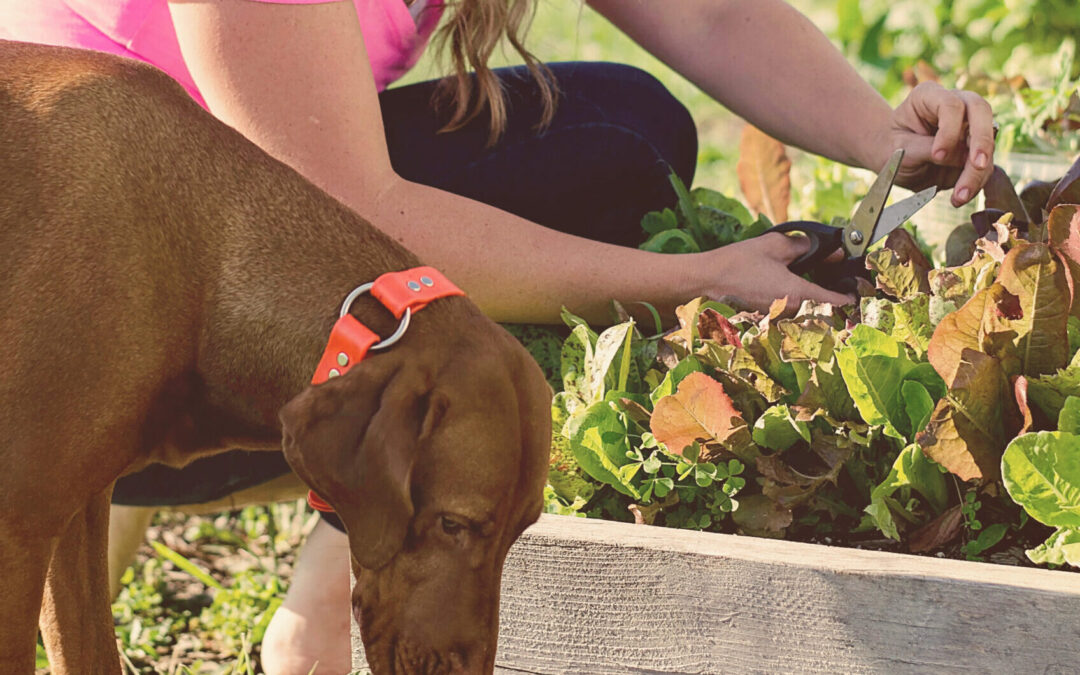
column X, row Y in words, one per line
column 350, row 341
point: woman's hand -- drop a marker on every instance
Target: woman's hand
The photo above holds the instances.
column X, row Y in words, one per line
column 753, row 273
column 948, row 140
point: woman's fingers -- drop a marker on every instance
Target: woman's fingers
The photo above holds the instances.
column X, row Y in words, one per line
column 784, row 249
column 980, row 147
column 953, row 130
column 945, row 110
column 801, row 288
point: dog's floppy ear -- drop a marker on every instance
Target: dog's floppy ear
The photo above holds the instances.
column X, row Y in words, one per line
column 354, row 440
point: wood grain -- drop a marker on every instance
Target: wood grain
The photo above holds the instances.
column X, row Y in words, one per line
column 591, row 596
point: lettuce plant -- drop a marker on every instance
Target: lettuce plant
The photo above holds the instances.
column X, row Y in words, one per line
column 902, row 415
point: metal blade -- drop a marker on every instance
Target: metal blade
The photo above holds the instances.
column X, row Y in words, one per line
column 863, row 223
column 900, row 212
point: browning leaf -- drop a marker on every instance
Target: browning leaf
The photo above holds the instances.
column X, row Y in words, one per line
column 966, row 329
column 760, row 516
column 789, row 486
column 1032, row 273
column 682, row 338
column 1020, row 391
column 937, row 532
column 777, row 308
column 712, row 325
column 1064, row 231
column 966, row 433
column 699, row 410
column 764, row 173
column 636, row 412
column 903, row 244
column 901, row 267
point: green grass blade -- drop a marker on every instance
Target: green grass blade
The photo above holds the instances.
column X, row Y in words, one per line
column 186, row 565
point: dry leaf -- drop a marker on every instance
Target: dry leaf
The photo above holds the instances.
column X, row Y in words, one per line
column 760, row 516
column 1020, row 390
column 937, row 532
column 712, row 325
column 764, row 173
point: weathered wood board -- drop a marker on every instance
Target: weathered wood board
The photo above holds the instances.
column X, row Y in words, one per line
column 588, row 596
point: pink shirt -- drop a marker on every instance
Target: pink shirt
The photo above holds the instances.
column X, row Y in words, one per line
column 143, row 29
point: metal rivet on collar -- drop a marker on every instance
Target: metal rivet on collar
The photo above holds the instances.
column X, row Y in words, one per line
column 334, row 372
column 343, row 359
column 427, row 281
column 413, row 286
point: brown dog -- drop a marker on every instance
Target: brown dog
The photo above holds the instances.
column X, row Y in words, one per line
column 165, row 289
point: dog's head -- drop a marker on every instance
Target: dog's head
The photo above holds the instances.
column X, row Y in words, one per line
column 435, row 459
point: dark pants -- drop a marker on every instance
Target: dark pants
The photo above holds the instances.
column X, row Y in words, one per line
column 595, row 171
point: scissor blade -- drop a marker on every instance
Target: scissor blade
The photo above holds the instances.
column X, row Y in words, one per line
column 900, row 212
column 866, row 217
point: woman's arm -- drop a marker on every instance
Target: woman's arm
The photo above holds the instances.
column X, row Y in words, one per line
column 769, row 64
column 295, row 79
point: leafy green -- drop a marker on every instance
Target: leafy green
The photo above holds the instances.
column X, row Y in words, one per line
column 600, row 445
column 876, row 367
column 776, row 429
column 912, row 469
column 1049, row 392
column 1062, row 547
column 702, row 220
column 840, row 420
column 1042, row 473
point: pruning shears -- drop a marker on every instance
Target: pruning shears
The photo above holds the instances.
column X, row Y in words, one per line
column 871, row 222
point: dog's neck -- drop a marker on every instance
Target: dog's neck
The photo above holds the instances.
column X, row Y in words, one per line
column 286, row 254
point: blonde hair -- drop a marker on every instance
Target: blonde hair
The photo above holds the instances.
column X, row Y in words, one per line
column 470, row 34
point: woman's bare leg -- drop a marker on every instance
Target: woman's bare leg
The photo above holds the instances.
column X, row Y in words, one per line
column 313, row 624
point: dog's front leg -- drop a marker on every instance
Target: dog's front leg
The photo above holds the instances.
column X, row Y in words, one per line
column 24, row 557
column 76, row 621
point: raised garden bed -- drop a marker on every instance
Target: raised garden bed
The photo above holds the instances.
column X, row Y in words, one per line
column 600, row 597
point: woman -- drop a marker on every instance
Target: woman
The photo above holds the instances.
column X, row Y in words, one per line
column 527, row 204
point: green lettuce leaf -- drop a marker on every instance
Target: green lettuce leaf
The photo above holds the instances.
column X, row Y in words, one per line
column 1069, row 419
column 673, row 377
column 599, row 441
column 911, row 468
column 1042, row 474
column 875, row 367
column 1049, row 392
column 776, row 429
column 1062, row 547
column 597, row 364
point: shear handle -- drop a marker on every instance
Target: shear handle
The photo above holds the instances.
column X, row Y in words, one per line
column 824, row 241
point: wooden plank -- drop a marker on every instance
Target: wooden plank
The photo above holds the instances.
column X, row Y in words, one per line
column 588, row 596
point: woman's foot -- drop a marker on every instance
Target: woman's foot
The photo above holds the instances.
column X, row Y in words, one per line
column 312, row 626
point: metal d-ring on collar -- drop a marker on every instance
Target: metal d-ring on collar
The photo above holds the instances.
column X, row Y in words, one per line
column 402, row 327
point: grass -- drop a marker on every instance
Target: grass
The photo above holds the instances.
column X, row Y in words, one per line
column 201, row 593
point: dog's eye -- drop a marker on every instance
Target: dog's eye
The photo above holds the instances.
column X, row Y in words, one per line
column 452, row 527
